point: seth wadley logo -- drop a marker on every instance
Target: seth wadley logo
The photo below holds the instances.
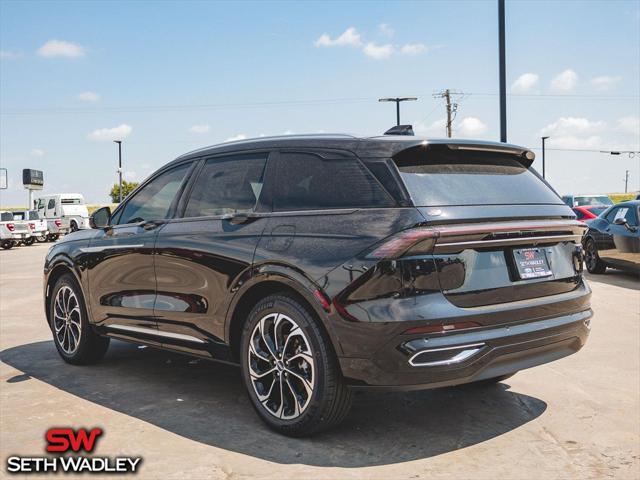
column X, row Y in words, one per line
column 64, row 440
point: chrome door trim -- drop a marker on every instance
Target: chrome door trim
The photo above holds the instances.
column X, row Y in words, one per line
column 158, row 333
column 109, row 247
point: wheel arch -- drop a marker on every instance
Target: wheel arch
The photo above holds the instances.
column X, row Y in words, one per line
column 61, row 267
column 269, row 284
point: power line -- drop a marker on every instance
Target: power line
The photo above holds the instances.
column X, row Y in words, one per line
column 452, row 108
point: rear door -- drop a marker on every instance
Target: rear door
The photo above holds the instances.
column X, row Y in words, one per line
column 120, row 258
column 200, row 256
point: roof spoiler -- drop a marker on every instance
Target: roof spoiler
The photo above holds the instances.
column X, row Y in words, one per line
column 400, row 130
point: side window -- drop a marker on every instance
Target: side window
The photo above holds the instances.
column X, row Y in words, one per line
column 154, row 200
column 52, row 204
column 611, row 216
column 628, row 213
column 227, row 185
column 40, row 204
column 579, row 214
column 305, row 181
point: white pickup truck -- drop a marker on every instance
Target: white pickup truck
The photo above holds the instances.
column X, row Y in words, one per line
column 37, row 225
column 13, row 232
column 69, row 208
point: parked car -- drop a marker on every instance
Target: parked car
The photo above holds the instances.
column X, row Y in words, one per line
column 322, row 264
column 37, row 225
column 69, row 208
column 13, row 232
column 582, row 200
column 588, row 212
column 613, row 239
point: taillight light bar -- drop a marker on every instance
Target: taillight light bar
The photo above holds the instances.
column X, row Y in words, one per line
column 403, row 241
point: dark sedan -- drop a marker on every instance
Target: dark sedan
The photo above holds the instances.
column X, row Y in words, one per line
column 613, row 239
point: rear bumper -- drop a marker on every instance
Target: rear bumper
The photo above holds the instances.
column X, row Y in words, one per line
column 421, row 362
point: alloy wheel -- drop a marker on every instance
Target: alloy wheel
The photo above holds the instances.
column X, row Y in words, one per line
column 66, row 320
column 281, row 366
column 590, row 255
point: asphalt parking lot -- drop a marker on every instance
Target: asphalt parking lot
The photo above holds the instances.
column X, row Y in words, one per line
column 576, row 418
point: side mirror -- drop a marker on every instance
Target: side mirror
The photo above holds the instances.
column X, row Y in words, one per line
column 623, row 222
column 100, row 218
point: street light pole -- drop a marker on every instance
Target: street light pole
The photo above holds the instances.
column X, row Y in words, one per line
column 543, row 152
column 397, row 100
column 502, row 71
column 119, row 142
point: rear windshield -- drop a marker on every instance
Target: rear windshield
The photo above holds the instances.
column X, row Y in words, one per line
column 6, row 216
column 71, row 201
column 597, row 210
column 18, row 215
column 583, row 200
column 448, row 178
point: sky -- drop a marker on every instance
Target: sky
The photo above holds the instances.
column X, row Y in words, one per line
column 169, row 77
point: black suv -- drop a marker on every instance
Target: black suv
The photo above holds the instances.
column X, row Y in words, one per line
column 326, row 263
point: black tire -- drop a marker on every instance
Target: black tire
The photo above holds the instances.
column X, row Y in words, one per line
column 591, row 258
column 42, row 238
column 74, row 226
column 29, row 241
column 53, row 237
column 91, row 347
column 330, row 398
column 7, row 245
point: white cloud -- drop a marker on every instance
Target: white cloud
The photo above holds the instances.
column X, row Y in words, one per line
column 564, row 81
column 350, row 38
column 106, row 134
column 572, row 126
column 591, row 142
column 471, row 127
column 630, row 125
column 60, row 48
column 525, row 82
column 200, row 128
column 413, row 49
column 240, row 136
column 9, row 55
column 130, row 176
column 605, row 82
column 386, row 30
column 378, row 52
column 88, row 97
column 37, row 152
column 434, row 129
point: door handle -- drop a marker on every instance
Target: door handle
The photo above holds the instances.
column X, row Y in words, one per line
column 239, row 218
column 151, row 225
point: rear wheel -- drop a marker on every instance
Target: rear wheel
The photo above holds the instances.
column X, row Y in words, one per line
column 290, row 369
column 76, row 341
column 592, row 259
column 30, row 240
column 7, row 245
column 74, row 226
column 41, row 238
column 53, row 237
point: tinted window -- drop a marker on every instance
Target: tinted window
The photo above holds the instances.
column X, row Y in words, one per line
column 40, row 203
column 227, row 185
column 52, row 204
column 306, row 181
column 597, row 210
column 6, row 216
column 18, row 216
column 579, row 214
column 154, row 200
column 592, row 200
column 71, row 201
column 470, row 178
column 627, row 212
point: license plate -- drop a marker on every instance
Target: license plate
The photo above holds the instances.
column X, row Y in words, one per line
column 531, row 263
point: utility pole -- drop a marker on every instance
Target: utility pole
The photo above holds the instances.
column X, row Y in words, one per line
column 398, row 100
column 119, row 142
column 452, row 108
column 543, row 152
column 626, row 181
column 503, row 75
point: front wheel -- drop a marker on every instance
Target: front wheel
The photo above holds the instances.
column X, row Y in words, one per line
column 592, row 259
column 76, row 341
column 290, row 369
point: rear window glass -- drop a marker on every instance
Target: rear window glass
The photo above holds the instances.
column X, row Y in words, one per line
column 6, row 216
column 583, row 200
column 305, row 181
column 597, row 210
column 71, row 201
column 18, row 216
column 447, row 178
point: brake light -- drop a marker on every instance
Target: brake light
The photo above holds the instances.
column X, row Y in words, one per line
column 58, row 223
column 32, row 226
column 11, row 227
column 404, row 241
column 441, row 328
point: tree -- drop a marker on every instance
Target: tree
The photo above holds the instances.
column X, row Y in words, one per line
column 127, row 188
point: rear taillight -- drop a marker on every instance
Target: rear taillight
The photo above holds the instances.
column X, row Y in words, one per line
column 32, row 226
column 58, row 223
column 417, row 239
column 11, row 227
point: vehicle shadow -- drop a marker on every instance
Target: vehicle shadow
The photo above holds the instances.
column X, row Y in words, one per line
column 616, row 278
column 206, row 402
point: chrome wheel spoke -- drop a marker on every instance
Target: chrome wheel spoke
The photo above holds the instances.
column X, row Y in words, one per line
column 67, row 320
column 281, row 372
